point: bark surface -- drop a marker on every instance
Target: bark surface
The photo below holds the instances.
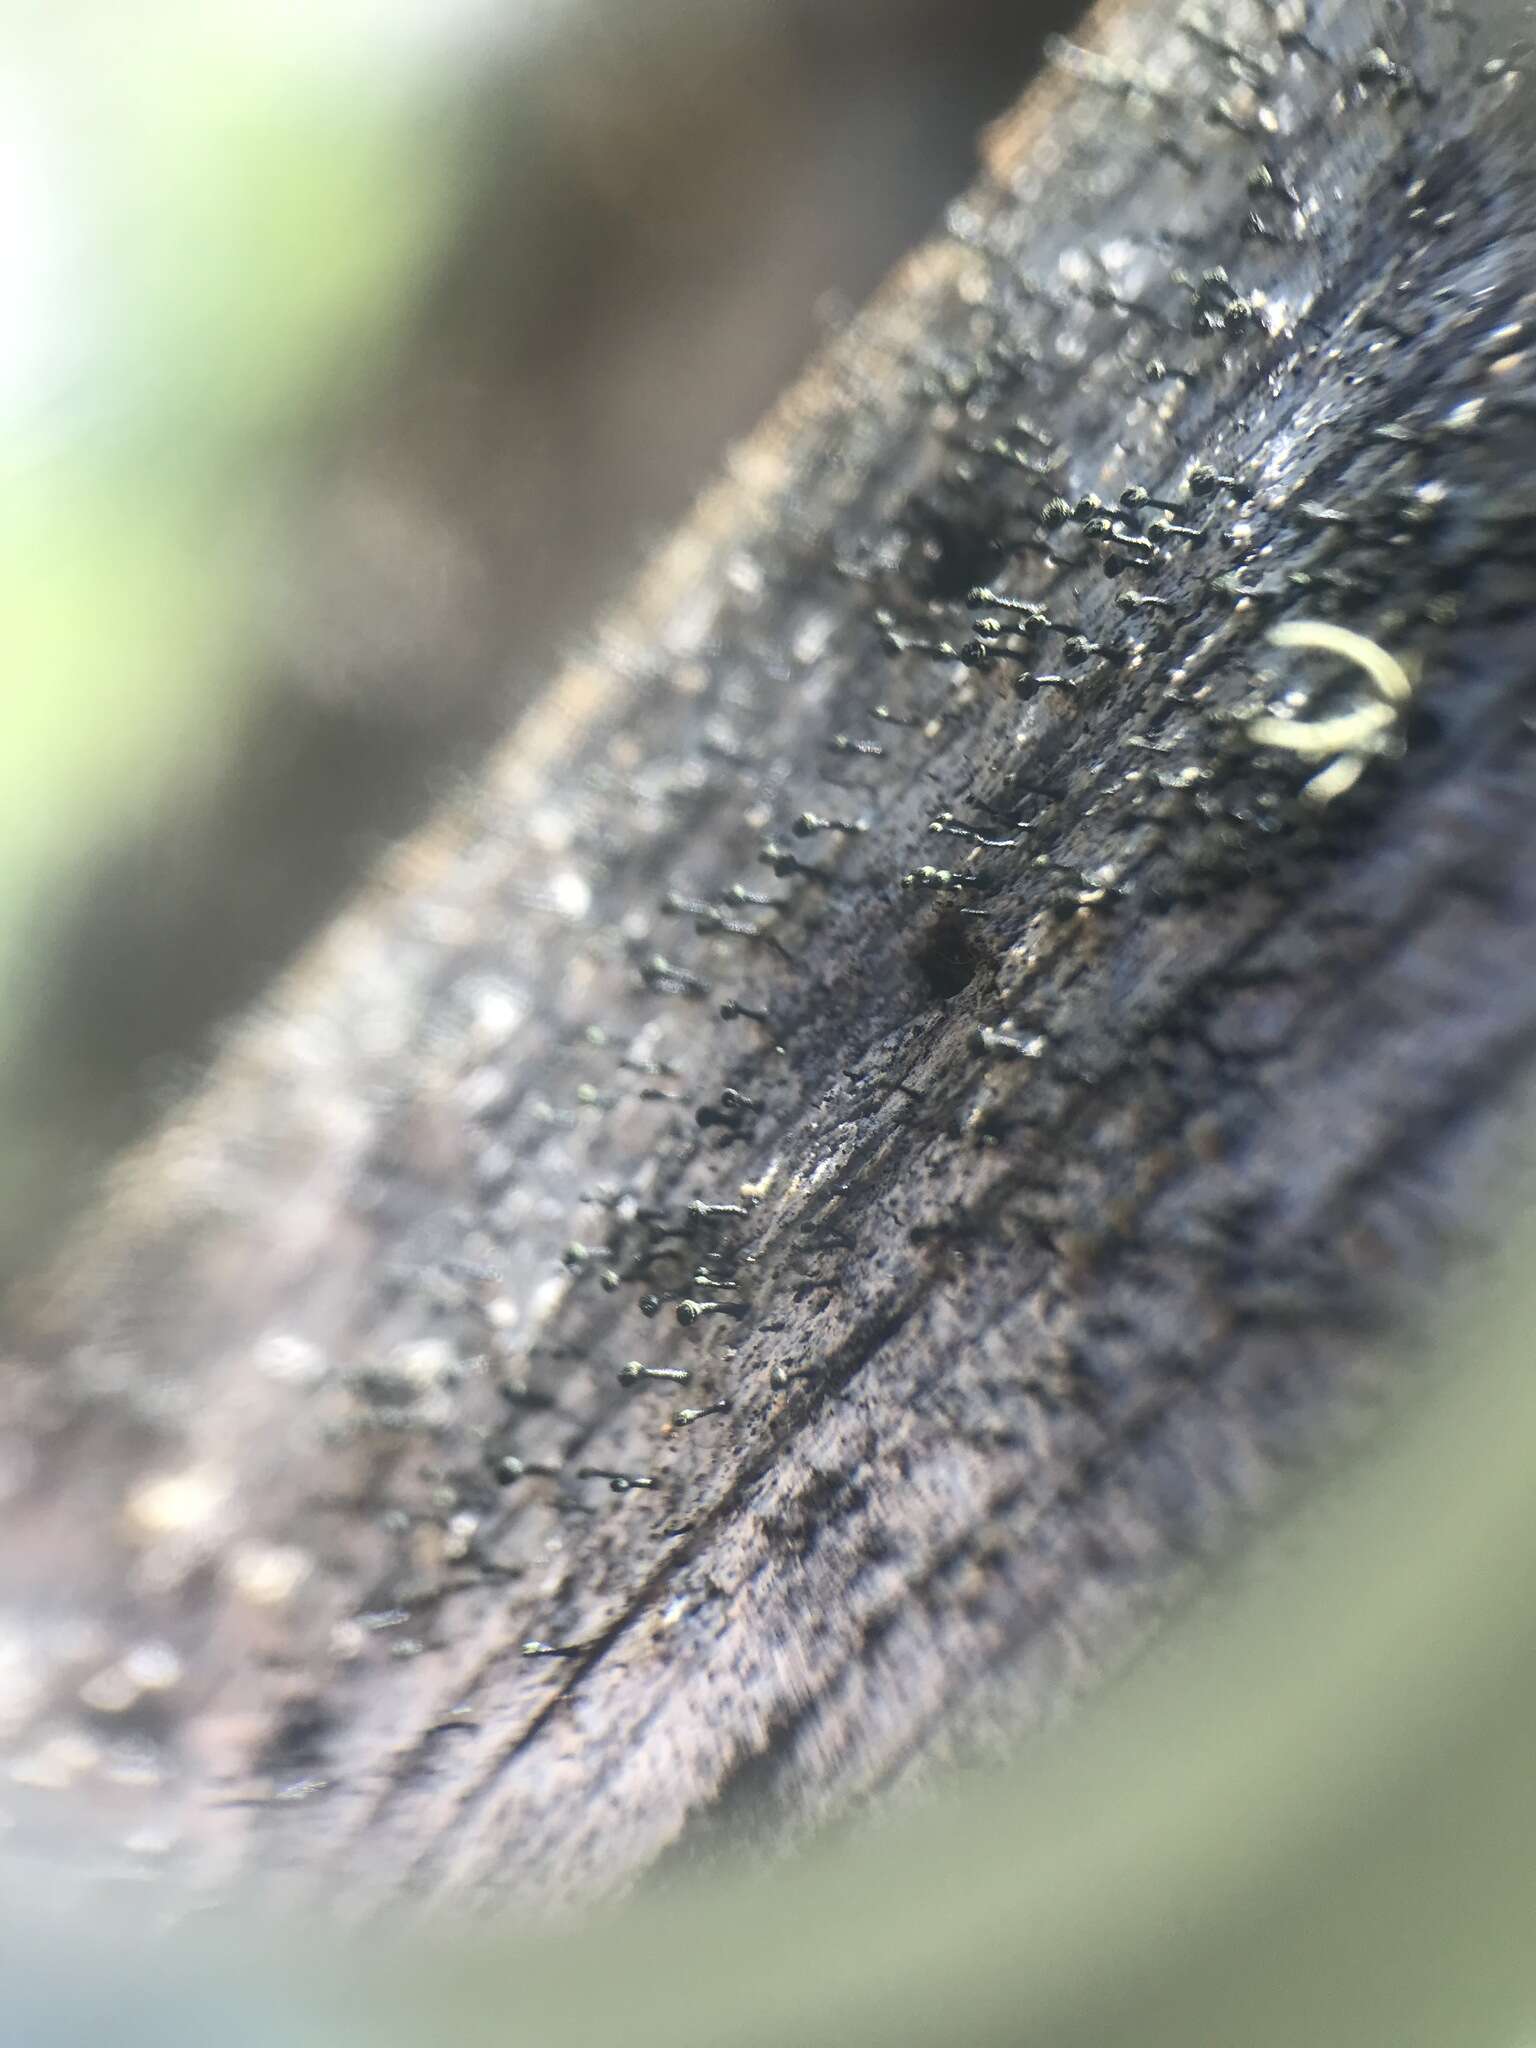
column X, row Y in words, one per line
column 1089, row 1090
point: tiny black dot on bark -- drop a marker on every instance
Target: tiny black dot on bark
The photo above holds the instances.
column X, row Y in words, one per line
column 946, row 955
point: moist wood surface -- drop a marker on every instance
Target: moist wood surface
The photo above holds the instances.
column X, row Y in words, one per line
column 1015, row 1330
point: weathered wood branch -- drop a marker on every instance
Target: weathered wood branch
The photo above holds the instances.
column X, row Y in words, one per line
column 1087, row 1085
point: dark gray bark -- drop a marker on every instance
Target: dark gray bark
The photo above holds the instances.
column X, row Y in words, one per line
column 1014, row 1329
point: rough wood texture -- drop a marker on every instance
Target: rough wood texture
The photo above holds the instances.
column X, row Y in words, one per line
column 1031, row 1324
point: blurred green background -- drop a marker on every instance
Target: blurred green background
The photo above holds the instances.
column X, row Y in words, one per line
column 355, row 354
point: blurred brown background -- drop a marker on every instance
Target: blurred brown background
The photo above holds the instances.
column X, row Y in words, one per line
column 671, row 203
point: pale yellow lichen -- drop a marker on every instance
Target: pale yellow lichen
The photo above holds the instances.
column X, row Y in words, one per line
column 1351, row 737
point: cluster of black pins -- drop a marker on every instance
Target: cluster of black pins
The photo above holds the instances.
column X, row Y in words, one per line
column 998, row 576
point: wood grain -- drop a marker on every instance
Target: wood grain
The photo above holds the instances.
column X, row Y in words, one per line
column 1057, row 1328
